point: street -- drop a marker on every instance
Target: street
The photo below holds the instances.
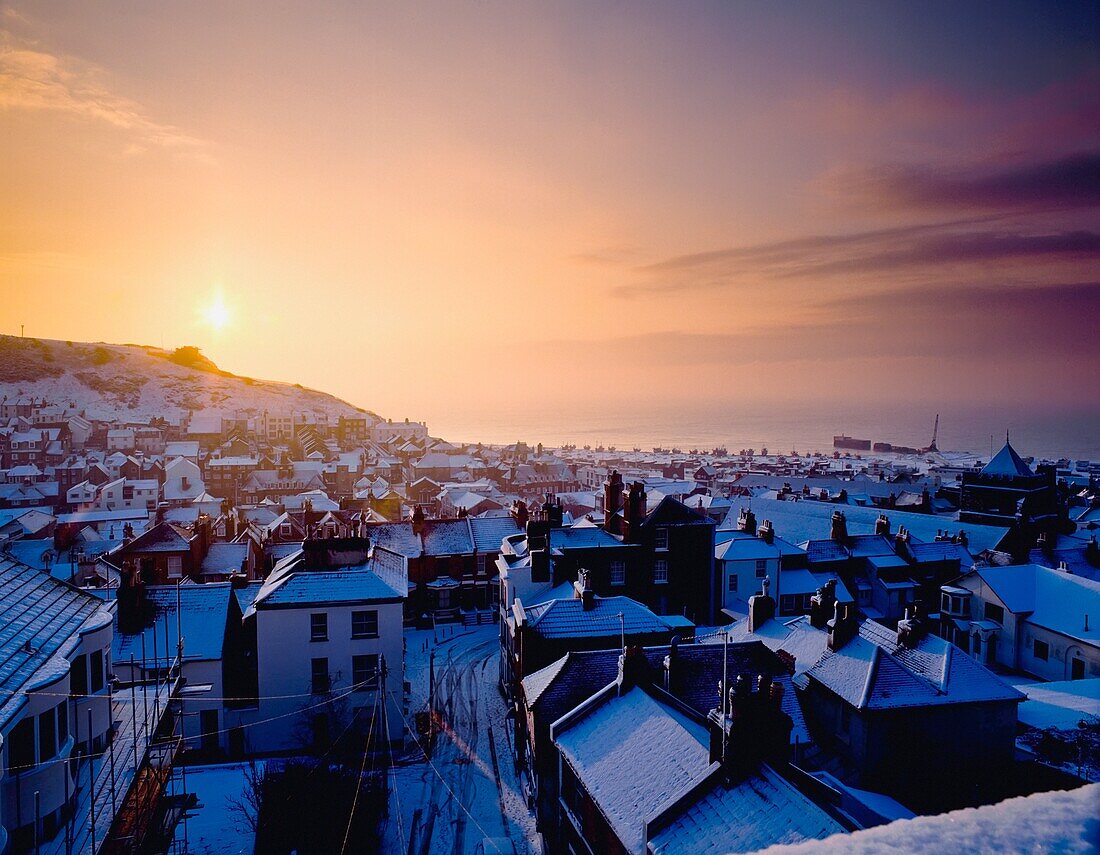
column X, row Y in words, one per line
column 468, row 791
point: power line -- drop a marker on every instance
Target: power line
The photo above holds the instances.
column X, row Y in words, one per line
column 442, row 780
column 359, row 780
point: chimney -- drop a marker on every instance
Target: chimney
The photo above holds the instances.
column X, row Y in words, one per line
column 583, row 591
column 823, row 604
column 633, row 669
column 766, row 533
column 756, row 728
column 551, row 511
column 761, row 607
column 134, row 608
column 839, row 528
column 746, row 520
column 634, row 512
column 418, row 520
column 520, row 514
column 910, row 629
column 843, row 627
column 1092, row 552
column 882, row 525
column 612, row 502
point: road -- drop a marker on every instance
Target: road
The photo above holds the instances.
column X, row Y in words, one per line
column 468, row 790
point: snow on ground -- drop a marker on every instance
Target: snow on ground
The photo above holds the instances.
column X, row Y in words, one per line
column 469, row 790
column 1062, row 822
column 213, row 827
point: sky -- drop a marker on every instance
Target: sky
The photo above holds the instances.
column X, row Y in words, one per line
column 456, row 210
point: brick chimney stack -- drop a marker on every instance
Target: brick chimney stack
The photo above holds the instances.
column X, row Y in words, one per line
column 882, row 525
column 612, row 502
column 761, row 607
column 843, row 627
column 766, row 533
column 755, row 730
column 839, row 528
column 823, row 604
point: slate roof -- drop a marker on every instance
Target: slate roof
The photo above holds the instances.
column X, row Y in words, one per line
column 163, row 537
column 612, row 747
column 349, row 585
column 447, row 537
column 205, row 610
column 1006, row 463
column 488, row 532
column 581, row 537
column 873, row 672
column 568, row 619
column 801, row 521
column 225, row 558
column 39, row 615
column 761, row 811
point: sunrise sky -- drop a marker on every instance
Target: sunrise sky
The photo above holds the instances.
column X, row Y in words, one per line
column 442, row 208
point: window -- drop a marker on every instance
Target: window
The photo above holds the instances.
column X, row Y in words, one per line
column 1041, row 650
column 62, row 722
column 318, row 627
column 787, row 604
column 97, row 671
column 761, row 568
column 175, row 566
column 618, row 573
column 364, row 624
column 364, row 672
column 994, row 613
column 977, row 645
column 660, row 538
column 660, row 571
column 47, row 735
column 481, row 556
column 319, row 680
column 78, row 676
column 731, row 584
column 20, row 743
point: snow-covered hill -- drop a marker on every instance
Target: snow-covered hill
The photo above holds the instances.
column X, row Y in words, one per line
column 136, row 382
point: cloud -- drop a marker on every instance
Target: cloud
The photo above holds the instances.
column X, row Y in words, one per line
column 35, row 80
column 957, row 325
column 911, row 252
column 1068, row 182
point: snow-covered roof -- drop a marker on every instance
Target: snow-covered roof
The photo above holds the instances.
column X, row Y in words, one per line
column 568, row 618
column 759, row 811
column 205, row 612
column 1060, row 705
column 1006, row 463
column 38, row 617
column 1052, row 599
column 805, row 520
column 633, row 754
column 1056, row 821
column 872, row 671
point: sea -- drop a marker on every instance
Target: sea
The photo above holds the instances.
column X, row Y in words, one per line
column 1042, row 433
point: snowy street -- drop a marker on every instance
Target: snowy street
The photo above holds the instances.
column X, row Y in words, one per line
column 468, row 792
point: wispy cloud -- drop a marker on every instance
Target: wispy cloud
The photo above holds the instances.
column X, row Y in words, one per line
column 918, row 252
column 1059, row 183
column 33, row 79
column 1053, row 324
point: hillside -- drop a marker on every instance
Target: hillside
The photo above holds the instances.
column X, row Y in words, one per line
column 137, row 381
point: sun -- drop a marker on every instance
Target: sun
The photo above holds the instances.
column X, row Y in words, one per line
column 216, row 313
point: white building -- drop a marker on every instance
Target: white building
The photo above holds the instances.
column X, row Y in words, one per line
column 1028, row 618
column 329, row 645
column 124, row 493
column 55, row 642
column 182, row 481
column 121, row 439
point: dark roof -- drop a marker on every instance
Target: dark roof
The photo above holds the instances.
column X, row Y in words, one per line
column 670, row 511
column 1006, row 463
column 163, row 537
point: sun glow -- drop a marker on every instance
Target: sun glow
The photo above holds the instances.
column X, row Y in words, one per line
column 216, row 313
